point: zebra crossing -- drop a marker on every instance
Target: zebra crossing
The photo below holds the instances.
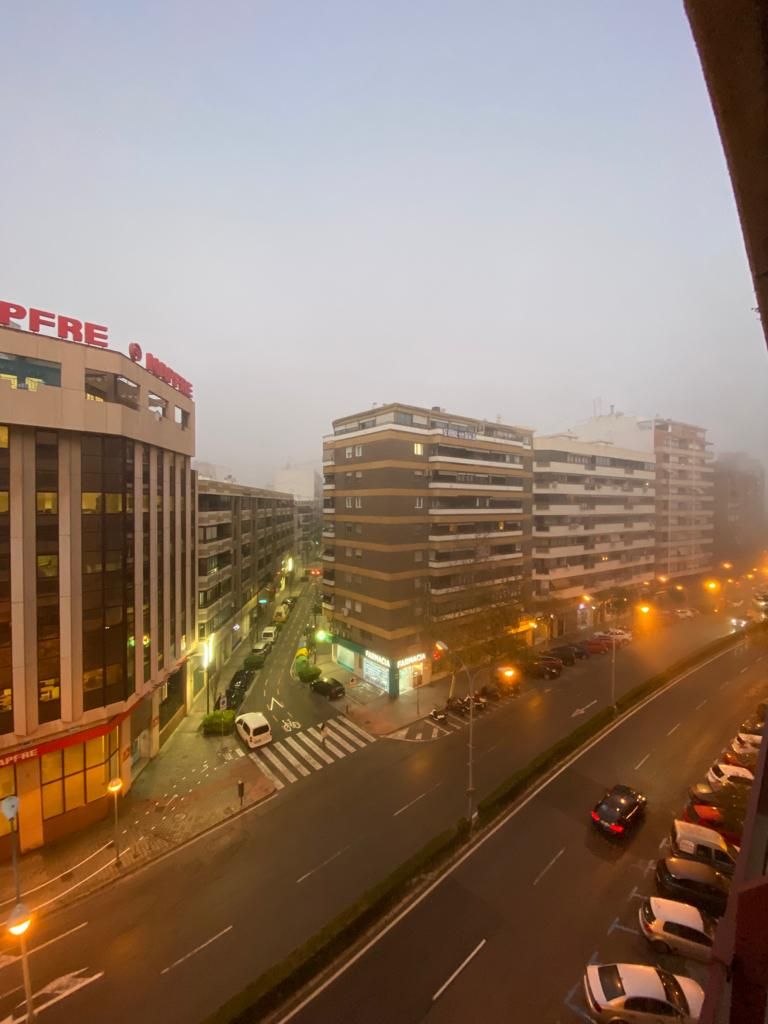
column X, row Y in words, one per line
column 300, row 754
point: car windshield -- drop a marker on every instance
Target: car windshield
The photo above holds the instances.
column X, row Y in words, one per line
column 609, row 810
column 673, row 991
column 610, row 980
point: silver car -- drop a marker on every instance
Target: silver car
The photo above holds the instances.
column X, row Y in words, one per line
column 639, row 994
column 674, row 927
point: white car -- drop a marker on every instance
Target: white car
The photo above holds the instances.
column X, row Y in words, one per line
column 720, row 775
column 674, row 927
column 745, row 742
column 621, row 636
column 684, row 613
column 639, row 994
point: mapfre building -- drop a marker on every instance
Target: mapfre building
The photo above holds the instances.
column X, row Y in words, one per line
column 97, row 593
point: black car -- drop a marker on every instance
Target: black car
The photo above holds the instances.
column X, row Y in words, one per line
column 692, row 882
column 619, row 811
column 566, row 654
column 537, row 667
column 330, row 688
column 581, row 650
column 236, row 693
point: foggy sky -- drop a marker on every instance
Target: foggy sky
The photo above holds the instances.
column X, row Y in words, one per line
column 305, row 208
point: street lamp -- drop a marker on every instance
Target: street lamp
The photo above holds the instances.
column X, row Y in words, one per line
column 114, row 786
column 17, row 925
column 207, row 658
column 443, row 648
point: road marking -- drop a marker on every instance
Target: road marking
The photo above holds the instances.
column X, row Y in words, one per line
column 328, row 861
column 580, row 711
column 64, row 986
column 541, row 874
column 459, row 969
column 636, row 894
column 351, row 736
column 351, row 725
column 725, row 682
column 314, row 747
column 673, row 729
column 78, row 884
column 416, row 800
column 28, row 892
column 7, row 959
column 617, row 926
column 325, row 742
column 266, row 770
column 570, row 1005
column 743, row 670
column 293, row 760
column 641, row 763
column 197, row 949
column 303, row 752
column 339, row 738
column 701, row 705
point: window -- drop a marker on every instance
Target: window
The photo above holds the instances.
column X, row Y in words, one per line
column 358, row 502
column 348, row 552
column 349, row 452
column 418, row 556
column 419, row 503
column 358, row 553
column 418, row 448
column 48, row 502
column 347, row 503
column 358, row 450
column 348, row 474
column 358, row 528
column 358, row 474
column 47, row 566
column 358, row 606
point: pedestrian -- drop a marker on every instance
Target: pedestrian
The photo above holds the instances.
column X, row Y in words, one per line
column 241, row 791
column 321, row 730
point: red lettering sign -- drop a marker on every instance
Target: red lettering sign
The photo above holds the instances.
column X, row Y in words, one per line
column 67, row 328
column 169, row 376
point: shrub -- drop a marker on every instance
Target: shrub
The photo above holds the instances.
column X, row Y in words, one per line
column 253, row 661
column 309, row 673
column 218, row 722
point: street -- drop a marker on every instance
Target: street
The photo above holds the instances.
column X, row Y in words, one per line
column 175, row 940
column 511, row 929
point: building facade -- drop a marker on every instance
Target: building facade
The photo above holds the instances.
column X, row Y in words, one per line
column 426, row 530
column 739, row 502
column 244, row 552
column 593, row 527
column 684, row 486
column 97, row 592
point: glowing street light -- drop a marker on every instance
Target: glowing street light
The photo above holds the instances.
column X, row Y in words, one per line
column 663, row 579
column 322, row 635
column 18, row 924
column 679, row 586
column 712, row 586
column 644, row 609
column 727, row 565
column 115, row 786
column 439, row 649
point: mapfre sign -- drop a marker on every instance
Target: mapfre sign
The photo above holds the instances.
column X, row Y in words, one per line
column 68, row 328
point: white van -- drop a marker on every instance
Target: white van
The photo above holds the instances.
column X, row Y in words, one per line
column 254, row 729
column 269, row 634
column 695, row 842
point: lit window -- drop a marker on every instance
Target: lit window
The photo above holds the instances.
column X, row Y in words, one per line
column 48, row 502
column 47, row 566
column 4, row 502
column 418, row 448
column 3, row 437
column 91, row 501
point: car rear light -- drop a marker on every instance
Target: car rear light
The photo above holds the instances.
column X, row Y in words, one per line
column 595, row 816
column 616, row 828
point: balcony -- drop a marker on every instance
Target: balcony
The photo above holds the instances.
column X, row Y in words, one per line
column 329, row 485
column 483, row 535
column 563, row 551
column 460, row 485
column 328, row 509
column 471, row 510
column 561, row 572
column 329, row 532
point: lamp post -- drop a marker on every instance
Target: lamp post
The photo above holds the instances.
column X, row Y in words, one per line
column 18, row 923
column 613, row 672
column 114, row 786
column 443, row 647
column 10, row 808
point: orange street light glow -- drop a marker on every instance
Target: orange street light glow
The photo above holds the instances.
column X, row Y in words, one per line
column 644, row 608
column 727, row 565
column 711, row 585
column 663, row 579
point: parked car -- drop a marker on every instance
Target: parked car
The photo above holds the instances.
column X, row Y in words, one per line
column 738, row 753
column 693, row 882
column 593, row 646
column 747, row 741
column 328, row 687
column 727, row 823
column 674, row 927
column 579, row 650
column 566, row 655
column 620, row 636
column 262, row 649
column 723, row 774
column 540, row 668
column 696, row 842
column 619, row 811
column 641, row 994
column 685, row 613
column 269, row 634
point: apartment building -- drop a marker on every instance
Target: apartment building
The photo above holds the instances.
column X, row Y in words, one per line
column 739, row 503
column 305, row 484
column 245, row 540
column 97, row 609
column 593, row 527
column 684, row 486
column 426, row 529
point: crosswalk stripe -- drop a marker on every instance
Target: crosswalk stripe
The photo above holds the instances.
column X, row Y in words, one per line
column 366, row 735
column 350, row 735
column 279, row 764
column 314, row 747
column 325, row 742
column 294, row 761
column 263, row 767
column 303, row 752
column 338, row 738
